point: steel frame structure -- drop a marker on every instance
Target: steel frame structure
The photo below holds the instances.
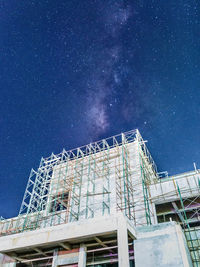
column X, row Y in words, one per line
column 76, row 184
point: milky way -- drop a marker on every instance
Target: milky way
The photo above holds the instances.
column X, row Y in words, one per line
column 104, row 79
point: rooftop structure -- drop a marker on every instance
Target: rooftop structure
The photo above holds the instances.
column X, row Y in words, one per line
column 104, row 204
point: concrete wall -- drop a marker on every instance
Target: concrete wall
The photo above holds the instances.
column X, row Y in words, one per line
column 99, row 174
column 66, row 258
column 161, row 245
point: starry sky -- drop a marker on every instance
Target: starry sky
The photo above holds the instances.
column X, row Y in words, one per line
column 76, row 71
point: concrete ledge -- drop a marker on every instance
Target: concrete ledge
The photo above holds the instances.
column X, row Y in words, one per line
column 62, row 233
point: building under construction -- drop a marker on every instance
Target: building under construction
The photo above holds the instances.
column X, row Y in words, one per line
column 105, row 204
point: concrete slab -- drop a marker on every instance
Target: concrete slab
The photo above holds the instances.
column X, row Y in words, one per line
column 62, row 233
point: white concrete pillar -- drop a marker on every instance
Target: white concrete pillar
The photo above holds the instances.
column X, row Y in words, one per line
column 82, row 256
column 122, row 240
column 55, row 258
column 154, row 214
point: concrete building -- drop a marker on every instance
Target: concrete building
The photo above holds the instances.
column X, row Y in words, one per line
column 105, row 204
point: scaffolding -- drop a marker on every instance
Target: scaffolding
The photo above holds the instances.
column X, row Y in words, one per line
column 178, row 198
column 97, row 179
column 192, row 234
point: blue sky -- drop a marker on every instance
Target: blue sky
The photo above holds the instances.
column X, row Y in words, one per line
column 72, row 72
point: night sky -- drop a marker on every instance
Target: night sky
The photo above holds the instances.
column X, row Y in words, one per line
column 76, row 71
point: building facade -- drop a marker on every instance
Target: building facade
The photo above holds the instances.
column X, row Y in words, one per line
column 105, row 204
